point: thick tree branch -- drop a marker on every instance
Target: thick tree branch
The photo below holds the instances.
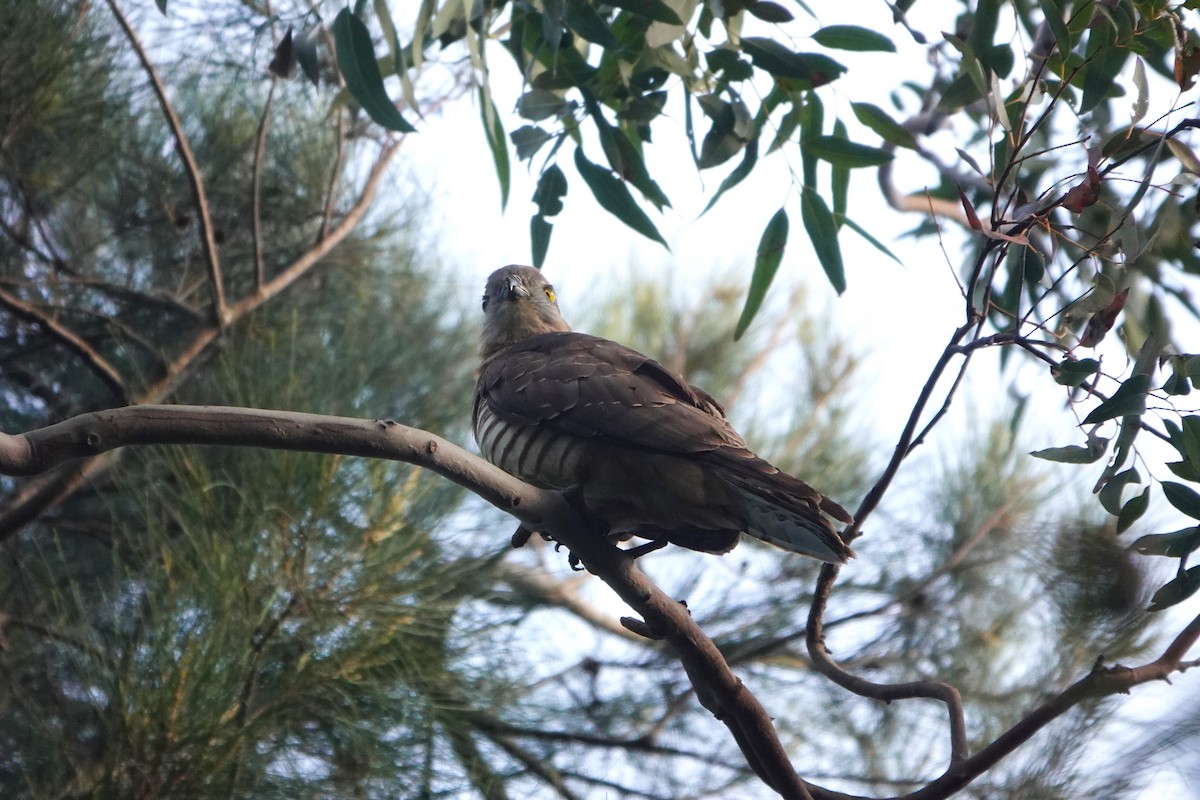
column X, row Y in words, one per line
column 717, row 688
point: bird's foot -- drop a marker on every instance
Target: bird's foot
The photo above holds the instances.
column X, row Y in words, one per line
column 572, row 559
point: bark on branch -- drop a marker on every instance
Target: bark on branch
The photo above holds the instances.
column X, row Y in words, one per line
column 718, row 689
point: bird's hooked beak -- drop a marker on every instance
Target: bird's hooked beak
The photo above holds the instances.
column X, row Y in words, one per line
column 514, row 288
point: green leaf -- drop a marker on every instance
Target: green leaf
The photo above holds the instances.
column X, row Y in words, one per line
column 1171, row 545
column 1090, row 453
column 766, row 264
column 612, row 194
column 737, row 175
column 494, row 131
column 162, row 6
column 1110, row 494
column 1184, row 498
column 538, row 104
column 768, row 11
column 1133, row 510
column 539, row 238
column 1190, row 438
column 356, row 60
column 822, row 231
column 982, row 28
column 844, row 153
column 1052, row 13
column 961, row 92
column 1177, row 590
column 1074, row 373
column 852, row 37
column 871, row 240
column 642, row 109
column 881, row 123
column 551, row 188
column 623, row 156
column 769, row 55
column 812, row 122
column 528, row 139
column 839, row 181
column 1105, row 60
column 583, row 19
column 1129, row 399
column 1185, row 470
column 656, row 10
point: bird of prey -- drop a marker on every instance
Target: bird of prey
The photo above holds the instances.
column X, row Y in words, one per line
column 631, row 442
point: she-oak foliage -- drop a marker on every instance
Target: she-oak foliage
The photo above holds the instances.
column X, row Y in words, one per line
column 195, row 622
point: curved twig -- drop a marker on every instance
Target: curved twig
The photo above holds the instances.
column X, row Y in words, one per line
column 934, row 690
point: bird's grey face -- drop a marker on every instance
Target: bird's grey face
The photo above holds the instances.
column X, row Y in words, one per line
column 518, row 302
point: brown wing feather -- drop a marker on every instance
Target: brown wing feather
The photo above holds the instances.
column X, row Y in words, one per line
column 591, row 387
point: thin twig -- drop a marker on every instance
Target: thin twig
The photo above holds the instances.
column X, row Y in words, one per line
column 207, row 238
column 97, row 363
column 260, row 147
column 38, row 496
column 936, row 690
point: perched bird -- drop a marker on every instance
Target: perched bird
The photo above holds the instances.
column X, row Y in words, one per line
column 631, row 442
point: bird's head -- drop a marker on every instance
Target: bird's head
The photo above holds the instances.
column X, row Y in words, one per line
column 518, row 302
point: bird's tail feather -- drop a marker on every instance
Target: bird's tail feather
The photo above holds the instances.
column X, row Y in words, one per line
column 776, row 513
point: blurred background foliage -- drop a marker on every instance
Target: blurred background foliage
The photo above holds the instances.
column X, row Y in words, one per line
column 198, row 622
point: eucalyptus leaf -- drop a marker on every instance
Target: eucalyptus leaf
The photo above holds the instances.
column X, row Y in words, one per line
column 1177, row 590
column 853, row 37
column 1184, row 498
column 881, row 123
column 766, row 263
column 1172, row 545
column 356, row 60
column 1130, row 398
column 1074, row 453
column 844, row 153
column 769, row 55
column 822, row 231
column 614, row 197
column 1074, row 373
column 1132, row 511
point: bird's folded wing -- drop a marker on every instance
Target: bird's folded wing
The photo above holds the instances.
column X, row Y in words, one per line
column 590, row 387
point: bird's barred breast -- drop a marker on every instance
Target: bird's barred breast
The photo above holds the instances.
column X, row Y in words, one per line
column 532, row 453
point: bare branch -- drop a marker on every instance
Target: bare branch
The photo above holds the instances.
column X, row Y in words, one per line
column 717, row 688
column 207, row 239
column 260, row 146
column 97, row 363
column 38, row 496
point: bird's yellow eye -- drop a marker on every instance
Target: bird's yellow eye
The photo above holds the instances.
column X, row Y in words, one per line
column 549, row 290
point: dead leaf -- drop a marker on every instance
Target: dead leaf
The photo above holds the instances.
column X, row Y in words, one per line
column 1102, row 321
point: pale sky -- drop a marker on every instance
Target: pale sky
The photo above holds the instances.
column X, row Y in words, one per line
column 898, row 317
